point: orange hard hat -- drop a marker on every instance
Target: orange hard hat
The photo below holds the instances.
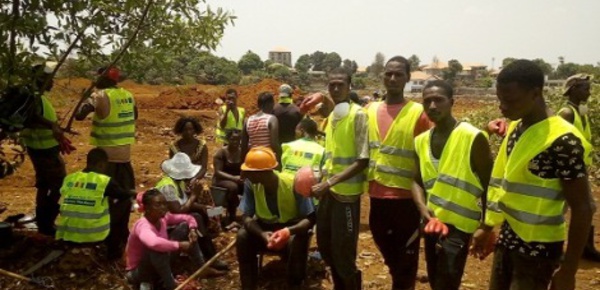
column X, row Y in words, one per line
column 304, row 181
column 260, row 159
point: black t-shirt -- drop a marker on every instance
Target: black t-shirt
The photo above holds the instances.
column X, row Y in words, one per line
column 288, row 116
column 563, row 160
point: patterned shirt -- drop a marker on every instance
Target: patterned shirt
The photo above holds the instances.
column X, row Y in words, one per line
column 563, row 160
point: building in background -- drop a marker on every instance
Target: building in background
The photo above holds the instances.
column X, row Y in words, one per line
column 281, row 55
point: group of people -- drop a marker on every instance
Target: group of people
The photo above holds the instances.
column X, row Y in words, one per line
column 427, row 175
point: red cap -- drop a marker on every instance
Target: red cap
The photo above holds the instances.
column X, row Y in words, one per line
column 113, row 73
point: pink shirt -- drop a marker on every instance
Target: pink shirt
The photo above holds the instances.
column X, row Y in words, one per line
column 385, row 117
column 145, row 235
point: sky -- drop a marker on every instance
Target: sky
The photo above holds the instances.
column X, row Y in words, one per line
column 467, row 30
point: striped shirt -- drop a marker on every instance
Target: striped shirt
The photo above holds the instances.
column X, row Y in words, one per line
column 258, row 131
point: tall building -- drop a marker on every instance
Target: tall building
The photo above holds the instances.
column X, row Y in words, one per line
column 281, row 55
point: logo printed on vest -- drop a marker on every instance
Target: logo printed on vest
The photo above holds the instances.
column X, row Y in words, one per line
column 77, row 201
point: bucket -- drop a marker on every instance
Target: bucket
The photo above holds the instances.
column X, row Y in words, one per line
column 219, row 195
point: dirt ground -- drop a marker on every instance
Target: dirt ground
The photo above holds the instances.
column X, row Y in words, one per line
column 159, row 108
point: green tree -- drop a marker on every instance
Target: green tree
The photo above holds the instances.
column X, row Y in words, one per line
column 332, row 61
column 414, row 62
column 303, row 63
column 215, row 70
column 566, row 70
column 250, row 62
column 454, row 68
column 318, row 57
column 546, row 67
column 92, row 27
column 350, row 65
column 506, row 61
column 378, row 65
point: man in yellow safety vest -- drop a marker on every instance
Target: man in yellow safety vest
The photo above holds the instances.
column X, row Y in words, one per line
column 453, row 163
column 113, row 129
column 275, row 218
column 230, row 116
column 539, row 170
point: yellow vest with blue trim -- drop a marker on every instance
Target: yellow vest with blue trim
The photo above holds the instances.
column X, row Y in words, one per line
column 286, row 201
column 533, row 206
column 300, row 153
column 391, row 160
column 340, row 152
column 231, row 123
column 41, row 138
column 118, row 128
column 84, row 216
column 586, row 130
column 453, row 189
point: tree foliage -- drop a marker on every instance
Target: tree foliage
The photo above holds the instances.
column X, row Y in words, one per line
column 332, row 61
column 303, row 63
column 454, row 67
column 350, row 65
column 376, row 68
column 506, row 61
column 46, row 28
column 414, row 62
column 546, row 67
column 317, row 59
column 250, row 62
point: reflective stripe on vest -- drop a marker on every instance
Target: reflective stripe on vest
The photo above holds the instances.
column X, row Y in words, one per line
column 392, row 160
column 533, row 206
column 286, row 201
column 118, row 128
column 453, row 189
column 231, row 123
column 41, row 138
column 585, row 131
column 84, row 214
column 300, row 153
column 341, row 152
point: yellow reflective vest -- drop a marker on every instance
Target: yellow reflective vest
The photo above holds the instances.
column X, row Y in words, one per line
column 118, row 128
column 533, row 206
column 286, row 201
column 178, row 185
column 231, row 123
column 453, row 189
column 340, row 152
column 586, row 130
column 300, row 153
column 391, row 160
column 84, row 216
column 41, row 138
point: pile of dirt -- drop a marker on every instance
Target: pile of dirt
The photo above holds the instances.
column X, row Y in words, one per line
column 203, row 97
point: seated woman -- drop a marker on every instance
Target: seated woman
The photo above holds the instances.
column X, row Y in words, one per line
column 182, row 192
column 227, row 163
column 150, row 248
column 188, row 128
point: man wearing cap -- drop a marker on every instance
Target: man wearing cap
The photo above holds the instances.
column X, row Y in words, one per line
column 113, row 129
column 577, row 90
column 181, row 192
column 275, row 218
column 41, row 137
column 288, row 114
column 231, row 117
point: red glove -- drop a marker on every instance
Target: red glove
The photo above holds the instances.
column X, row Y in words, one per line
column 497, row 127
column 436, row 227
column 279, row 239
column 65, row 146
column 310, row 102
column 491, row 244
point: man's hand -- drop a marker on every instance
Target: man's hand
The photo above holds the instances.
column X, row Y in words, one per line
column 497, row 127
column 266, row 236
column 184, row 246
column 193, row 236
column 484, row 241
column 562, row 280
column 318, row 190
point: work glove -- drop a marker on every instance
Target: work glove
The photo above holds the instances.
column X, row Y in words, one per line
column 279, row 239
column 310, row 102
column 497, row 127
column 65, row 146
